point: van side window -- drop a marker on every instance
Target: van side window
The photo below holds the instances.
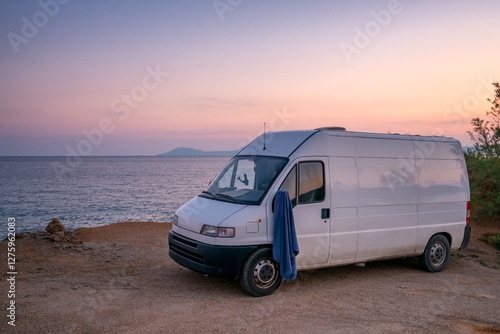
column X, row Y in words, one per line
column 311, row 182
column 290, row 185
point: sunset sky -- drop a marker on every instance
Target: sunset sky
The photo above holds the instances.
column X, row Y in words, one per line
column 144, row 77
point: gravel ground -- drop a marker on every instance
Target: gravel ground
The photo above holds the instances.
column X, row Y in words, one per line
column 121, row 280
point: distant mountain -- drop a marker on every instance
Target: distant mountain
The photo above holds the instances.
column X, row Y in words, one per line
column 191, row 152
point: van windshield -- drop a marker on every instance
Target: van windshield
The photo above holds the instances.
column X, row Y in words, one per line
column 245, row 179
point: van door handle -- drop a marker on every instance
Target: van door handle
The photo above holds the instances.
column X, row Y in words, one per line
column 325, row 213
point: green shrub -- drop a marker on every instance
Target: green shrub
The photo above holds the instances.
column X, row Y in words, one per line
column 484, row 264
column 494, row 239
column 484, row 178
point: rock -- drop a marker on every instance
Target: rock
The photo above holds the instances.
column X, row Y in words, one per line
column 69, row 237
column 58, row 233
column 58, row 236
column 55, row 226
column 22, row 235
column 39, row 234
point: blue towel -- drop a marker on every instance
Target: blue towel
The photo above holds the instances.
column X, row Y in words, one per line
column 285, row 246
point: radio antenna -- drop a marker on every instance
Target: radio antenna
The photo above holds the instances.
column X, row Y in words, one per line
column 264, row 148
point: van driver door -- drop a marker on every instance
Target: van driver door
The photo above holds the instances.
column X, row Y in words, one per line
column 307, row 183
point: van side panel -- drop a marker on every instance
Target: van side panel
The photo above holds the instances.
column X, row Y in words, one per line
column 443, row 191
column 387, row 203
column 408, row 189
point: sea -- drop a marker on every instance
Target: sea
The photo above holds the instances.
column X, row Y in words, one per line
column 97, row 191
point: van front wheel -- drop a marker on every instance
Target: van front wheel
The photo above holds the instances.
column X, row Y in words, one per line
column 436, row 254
column 260, row 275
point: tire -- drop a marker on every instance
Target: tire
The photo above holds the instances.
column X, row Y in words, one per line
column 436, row 254
column 260, row 275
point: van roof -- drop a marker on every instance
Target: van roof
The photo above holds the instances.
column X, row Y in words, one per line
column 284, row 143
column 279, row 144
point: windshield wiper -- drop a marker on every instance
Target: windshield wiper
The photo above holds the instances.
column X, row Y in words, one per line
column 208, row 193
column 227, row 196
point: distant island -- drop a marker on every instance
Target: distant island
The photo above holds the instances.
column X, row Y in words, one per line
column 191, row 152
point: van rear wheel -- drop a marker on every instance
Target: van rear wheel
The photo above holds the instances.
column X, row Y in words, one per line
column 436, row 254
column 260, row 275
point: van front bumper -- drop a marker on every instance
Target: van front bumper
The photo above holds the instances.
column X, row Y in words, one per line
column 207, row 259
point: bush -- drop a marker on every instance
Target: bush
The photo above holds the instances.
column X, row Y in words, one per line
column 494, row 239
column 484, row 178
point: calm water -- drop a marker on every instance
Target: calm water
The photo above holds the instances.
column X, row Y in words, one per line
column 99, row 190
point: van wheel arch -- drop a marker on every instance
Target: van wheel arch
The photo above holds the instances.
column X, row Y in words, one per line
column 447, row 236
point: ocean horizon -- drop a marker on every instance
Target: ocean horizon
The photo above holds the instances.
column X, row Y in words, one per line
column 99, row 190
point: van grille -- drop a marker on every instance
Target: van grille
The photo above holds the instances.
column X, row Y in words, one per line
column 186, row 249
column 185, row 241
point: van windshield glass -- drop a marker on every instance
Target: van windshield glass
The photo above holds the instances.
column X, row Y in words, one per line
column 245, row 179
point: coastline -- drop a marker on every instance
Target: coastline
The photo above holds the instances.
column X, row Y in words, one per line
column 101, row 190
column 121, row 279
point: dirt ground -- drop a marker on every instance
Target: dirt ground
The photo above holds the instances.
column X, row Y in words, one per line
column 121, row 280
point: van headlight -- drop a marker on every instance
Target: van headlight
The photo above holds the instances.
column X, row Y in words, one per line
column 176, row 220
column 215, row 231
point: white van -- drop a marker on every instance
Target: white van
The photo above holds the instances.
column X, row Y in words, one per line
column 356, row 197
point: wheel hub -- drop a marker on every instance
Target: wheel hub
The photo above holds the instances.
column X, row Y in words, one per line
column 437, row 253
column 264, row 273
